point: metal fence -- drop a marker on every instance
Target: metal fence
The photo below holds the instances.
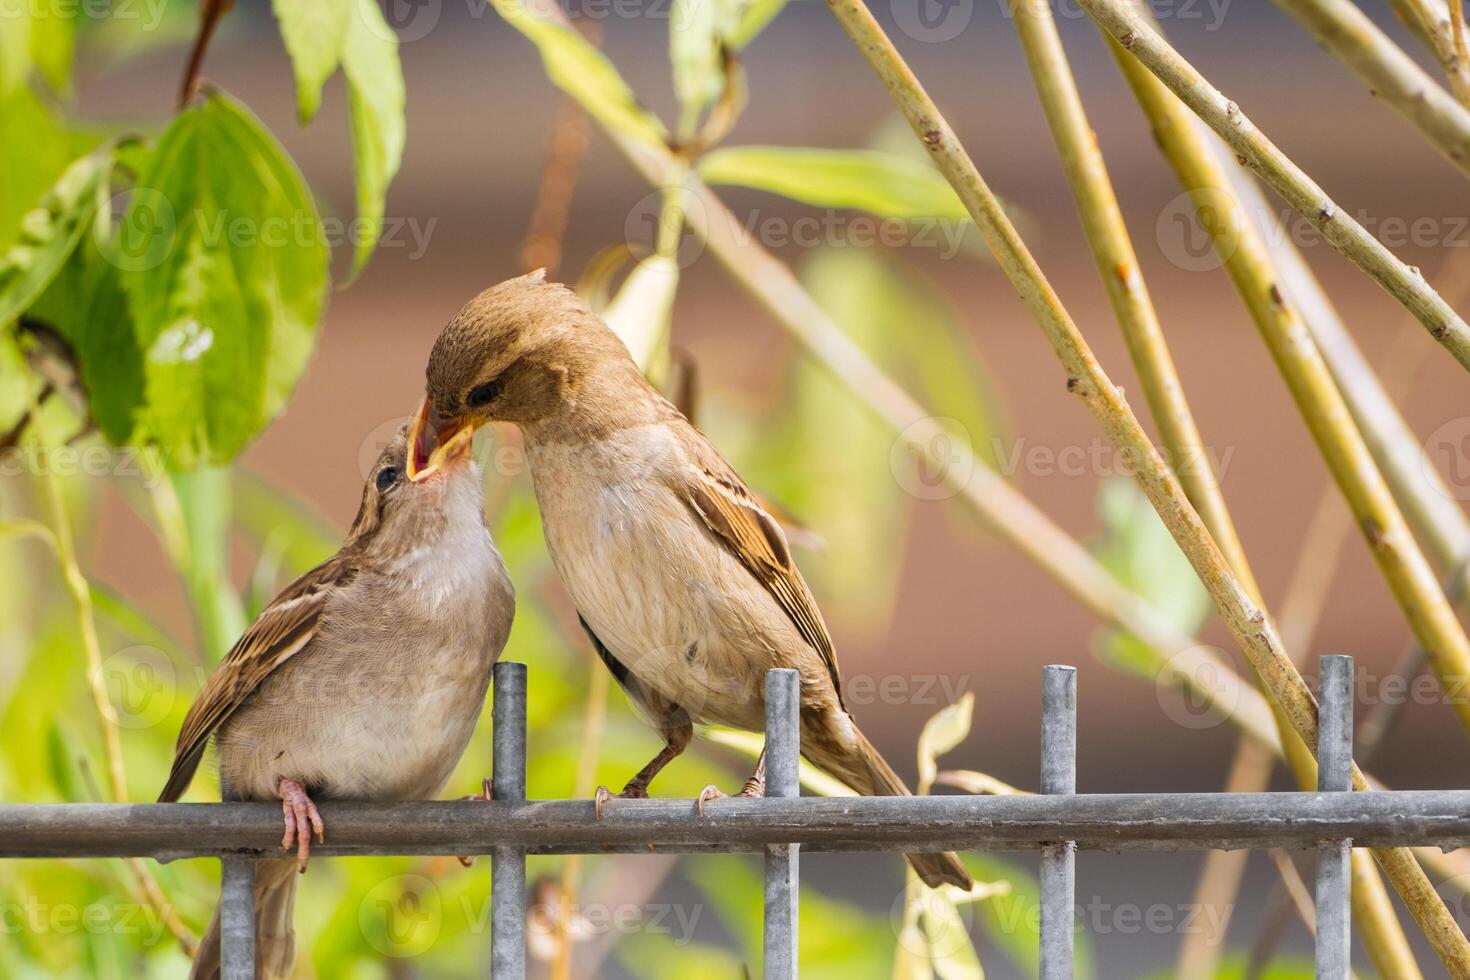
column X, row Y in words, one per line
column 1057, row 824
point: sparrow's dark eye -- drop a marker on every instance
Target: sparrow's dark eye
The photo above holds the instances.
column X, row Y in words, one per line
column 483, row 393
column 387, row 476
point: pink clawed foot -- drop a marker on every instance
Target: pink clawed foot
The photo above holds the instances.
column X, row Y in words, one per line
column 486, row 794
column 302, row 819
column 755, row 787
column 635, row 790
column 710, row 792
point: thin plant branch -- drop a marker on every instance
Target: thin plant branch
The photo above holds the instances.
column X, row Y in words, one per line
column 1389, row 73
column 1430, row 22
column 1457, row 29
column 1246, row 620
column 1322, row 406
column 1112, row 249
column 1125, row 24
column 210, row 12
column 117, row 778
column 1433, row 511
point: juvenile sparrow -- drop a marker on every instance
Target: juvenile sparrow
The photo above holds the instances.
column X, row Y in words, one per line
column 363, row 680
column 684, row 584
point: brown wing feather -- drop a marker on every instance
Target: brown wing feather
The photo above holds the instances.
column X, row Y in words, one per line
column 283, row 629
column 719, row 498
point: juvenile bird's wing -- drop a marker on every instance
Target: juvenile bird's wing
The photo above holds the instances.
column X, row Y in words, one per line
column 721, row 500
column 283, row 629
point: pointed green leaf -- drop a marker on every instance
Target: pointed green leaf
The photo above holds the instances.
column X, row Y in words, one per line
column 225, row 269
column 641, row 311
column 314, row 33
column 585, row 73
column 868, row 180
column 375, row 94
column 694, row 52
column 50, row 232
column 752, row 19
column 943, row 732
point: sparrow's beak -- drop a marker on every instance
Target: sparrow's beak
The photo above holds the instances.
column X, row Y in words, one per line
column 436, row 443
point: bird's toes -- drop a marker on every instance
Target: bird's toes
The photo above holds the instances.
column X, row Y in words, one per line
column 634, row 791
column 289, row 818
column 302, row 833
column 599, row 800
column 710, row 792
column 754, row 789
column 315, row 816
column 486, row 794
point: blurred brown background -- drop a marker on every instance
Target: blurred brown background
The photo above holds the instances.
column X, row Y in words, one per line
column 479, row 114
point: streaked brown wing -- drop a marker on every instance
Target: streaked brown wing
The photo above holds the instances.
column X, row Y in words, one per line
column 726, row 507
column 283, row 629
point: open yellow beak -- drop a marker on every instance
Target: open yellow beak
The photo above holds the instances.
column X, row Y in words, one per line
column 435, row 444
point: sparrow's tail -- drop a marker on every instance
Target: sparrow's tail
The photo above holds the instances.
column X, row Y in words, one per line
column 840, row 750
column 275, row 939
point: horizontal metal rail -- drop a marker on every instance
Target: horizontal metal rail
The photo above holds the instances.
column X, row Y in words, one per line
column 782, row 825
column 1109, row 822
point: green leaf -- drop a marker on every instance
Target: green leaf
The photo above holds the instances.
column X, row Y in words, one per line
column 225, row 269
column 641, row 311
column 85, row 303
column 314, row 34
column 942, row 733
column 585, row 73
column 375, row 94
column 868, row 180
column 204, row 502
column 50, row 232
column 34, row 151
column 1141, row 553
column 694, row 52
column 752, row 19
column 18, row 383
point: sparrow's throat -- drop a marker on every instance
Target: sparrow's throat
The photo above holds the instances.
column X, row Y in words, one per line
column 436, row 444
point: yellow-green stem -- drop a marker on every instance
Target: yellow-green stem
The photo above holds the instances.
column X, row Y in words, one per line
column 1389, row 73
column 1243, row 250
column 1403, row 282
column 1244, row 618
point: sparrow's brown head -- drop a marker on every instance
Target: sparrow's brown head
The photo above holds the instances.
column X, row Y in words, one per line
column 398, row 514
column 518, row 352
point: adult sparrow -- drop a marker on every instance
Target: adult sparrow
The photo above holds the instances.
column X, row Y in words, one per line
column 363, row 680
column 683, row 582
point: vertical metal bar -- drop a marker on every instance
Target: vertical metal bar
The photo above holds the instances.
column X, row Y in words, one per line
column 1335, row 775
column 237, row 919
column 783, row 751
column 1058, row 861
column 508, row 864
